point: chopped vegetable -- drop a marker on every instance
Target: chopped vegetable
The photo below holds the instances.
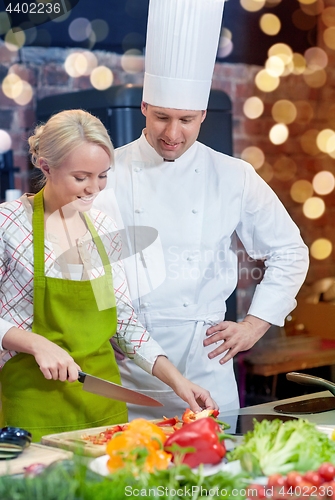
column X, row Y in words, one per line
column 104, row 436
column 167, row 422
column 277, row 447
column 204, row 436
column 141, row 441
column 190, row 416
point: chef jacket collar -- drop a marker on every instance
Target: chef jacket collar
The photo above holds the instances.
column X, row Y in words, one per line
column 150, row 154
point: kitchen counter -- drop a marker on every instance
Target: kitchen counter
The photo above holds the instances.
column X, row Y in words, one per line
column 323, row 418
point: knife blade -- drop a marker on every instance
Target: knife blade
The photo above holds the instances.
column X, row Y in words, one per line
column 110, row 390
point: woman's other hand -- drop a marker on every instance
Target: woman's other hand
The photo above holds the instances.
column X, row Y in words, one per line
column 197, row 398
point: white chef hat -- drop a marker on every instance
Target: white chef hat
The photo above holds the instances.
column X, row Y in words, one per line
column 181, row 47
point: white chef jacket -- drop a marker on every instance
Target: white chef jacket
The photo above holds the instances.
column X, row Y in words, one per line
column 196, row 204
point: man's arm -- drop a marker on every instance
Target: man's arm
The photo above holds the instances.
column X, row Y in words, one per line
column 267, row 232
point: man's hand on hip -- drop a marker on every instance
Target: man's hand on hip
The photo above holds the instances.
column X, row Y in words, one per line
column 236, row 337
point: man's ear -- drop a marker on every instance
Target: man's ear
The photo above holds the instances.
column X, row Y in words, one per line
column 204, row 114
column 44, row 167
column 144, row 106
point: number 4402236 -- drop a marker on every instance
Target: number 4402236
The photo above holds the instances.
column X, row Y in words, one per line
column 34, row 8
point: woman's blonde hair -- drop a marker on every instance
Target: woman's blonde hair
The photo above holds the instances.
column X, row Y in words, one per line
column 64, row 132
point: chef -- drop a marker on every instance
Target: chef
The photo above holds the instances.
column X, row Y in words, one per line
column 197, row 199
column 63, row 292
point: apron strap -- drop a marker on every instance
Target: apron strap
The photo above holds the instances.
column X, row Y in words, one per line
column 99, row 244
column 38, row 236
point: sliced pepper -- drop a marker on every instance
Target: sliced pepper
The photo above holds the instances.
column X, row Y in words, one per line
column 190, row 416
column 167, row 422
column 204, row 436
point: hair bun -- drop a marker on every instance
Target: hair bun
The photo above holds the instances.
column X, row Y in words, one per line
column 34, row 142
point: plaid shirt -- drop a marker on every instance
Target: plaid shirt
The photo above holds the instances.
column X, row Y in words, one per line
column 17, row 278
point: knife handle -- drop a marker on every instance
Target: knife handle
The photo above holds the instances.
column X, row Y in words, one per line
column 81, row 377
column 304, row 379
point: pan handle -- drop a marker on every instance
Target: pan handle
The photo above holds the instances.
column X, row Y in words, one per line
column 304, row 379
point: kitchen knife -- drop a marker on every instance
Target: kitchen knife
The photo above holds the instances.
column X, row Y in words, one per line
column 114, row 391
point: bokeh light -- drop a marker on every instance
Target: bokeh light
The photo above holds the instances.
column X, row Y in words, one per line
column 306, row 2
column 5, row 141
column 101, row 78
column 308, row 142
column 252, row 5
column 12, row 86
column 328, row 16
column 275, row 66
column 132, row 61
column 321, row 248
column 4, row 23
column 323, row 138
column 315, row 79
column 323, row 182
column 305, row 112
column 299, row 64
column 284, row 111
column 254, row 156
column 270, row 24
column 313, row 9
column 303, row 21
column 314, row 207
column 226, row 43
column 26, row 94
column 316, row 58
column 70, row 64
column 284, row 168
column 253, row 107
column 80, row 29
column 301, row 190
column 266, row 82
column 266, row 172
column 278, row 133
column 15, row 40
column 329, row 37
column 281, row 50
column 100, row 28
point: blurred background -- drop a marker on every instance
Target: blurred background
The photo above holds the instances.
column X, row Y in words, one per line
column 275, row 63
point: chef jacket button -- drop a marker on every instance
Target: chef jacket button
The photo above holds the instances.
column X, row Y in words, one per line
column 194, row 211
column 197, row 170
column 186, row 304
column 145, row 305
column 137, row 169
column 139, row 210
column 190, row 257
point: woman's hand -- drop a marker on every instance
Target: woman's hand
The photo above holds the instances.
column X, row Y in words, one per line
column 54, row 362
column 197, row 398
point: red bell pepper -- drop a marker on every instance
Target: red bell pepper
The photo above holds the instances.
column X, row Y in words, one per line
column 189, row 416
column 204, row 436
column 167, row 422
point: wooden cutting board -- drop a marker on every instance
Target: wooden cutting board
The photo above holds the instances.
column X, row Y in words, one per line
column 72, row 440
column 34, row 454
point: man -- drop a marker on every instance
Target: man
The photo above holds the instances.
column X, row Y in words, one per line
column 196, row 199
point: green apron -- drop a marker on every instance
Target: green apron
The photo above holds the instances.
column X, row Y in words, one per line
column 66, row 313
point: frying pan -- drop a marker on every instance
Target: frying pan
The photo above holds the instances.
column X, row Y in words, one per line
column 311, row 405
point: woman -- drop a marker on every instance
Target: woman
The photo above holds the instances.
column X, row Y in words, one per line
column 59, row 288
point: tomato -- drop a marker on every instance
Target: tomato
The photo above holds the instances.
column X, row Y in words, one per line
column 327, row 471
column 313, row 477
column 260, row 493
column 293, row 479
column 276, row 480
column 327, row 490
